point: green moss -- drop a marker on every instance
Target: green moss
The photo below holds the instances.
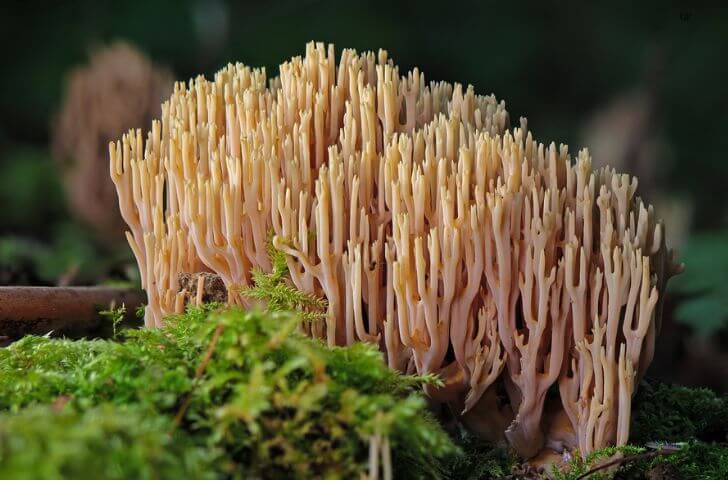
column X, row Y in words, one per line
column 116, row 317
column 278, row 294
column 698, row 461
column 579, row 466
column 670, row 414
column 151, row 368
column 479, row 459
column 304, row 409
column 695, row 460
column 275, row 403
column 677, row 414
column 44, row 442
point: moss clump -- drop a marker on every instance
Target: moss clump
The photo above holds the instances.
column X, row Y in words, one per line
column 587, row 466
column 678, row 414
column 270, row 402
column 47, row 442
column 694, row 460
column 479, row 459
column 151, row 369
column 294, row 408
column 683, row 434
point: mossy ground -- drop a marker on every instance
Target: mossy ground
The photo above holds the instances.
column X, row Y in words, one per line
column 271, row 403
column 268, row 403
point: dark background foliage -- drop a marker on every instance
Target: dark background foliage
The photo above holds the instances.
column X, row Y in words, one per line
column 643, row 83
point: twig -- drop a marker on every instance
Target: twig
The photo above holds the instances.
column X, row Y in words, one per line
column 628, row 458
column 198, row 374
column 69, row 275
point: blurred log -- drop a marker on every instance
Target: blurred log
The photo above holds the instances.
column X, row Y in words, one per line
column 70, row 311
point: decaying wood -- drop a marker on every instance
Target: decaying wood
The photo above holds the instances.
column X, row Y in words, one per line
column 213, row 287
column 72, row 311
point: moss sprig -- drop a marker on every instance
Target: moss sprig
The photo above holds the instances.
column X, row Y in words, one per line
column 274, row 289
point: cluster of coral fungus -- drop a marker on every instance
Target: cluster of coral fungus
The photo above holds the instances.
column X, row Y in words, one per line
column 460, row 246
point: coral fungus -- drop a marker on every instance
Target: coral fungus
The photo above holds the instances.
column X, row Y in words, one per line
column 460, row 246
column 119, row 89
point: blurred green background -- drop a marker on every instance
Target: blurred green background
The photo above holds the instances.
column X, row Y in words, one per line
column 644, row 86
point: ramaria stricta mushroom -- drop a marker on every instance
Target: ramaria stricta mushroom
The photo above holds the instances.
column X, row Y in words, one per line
column 118, row 90
column 460, row 246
